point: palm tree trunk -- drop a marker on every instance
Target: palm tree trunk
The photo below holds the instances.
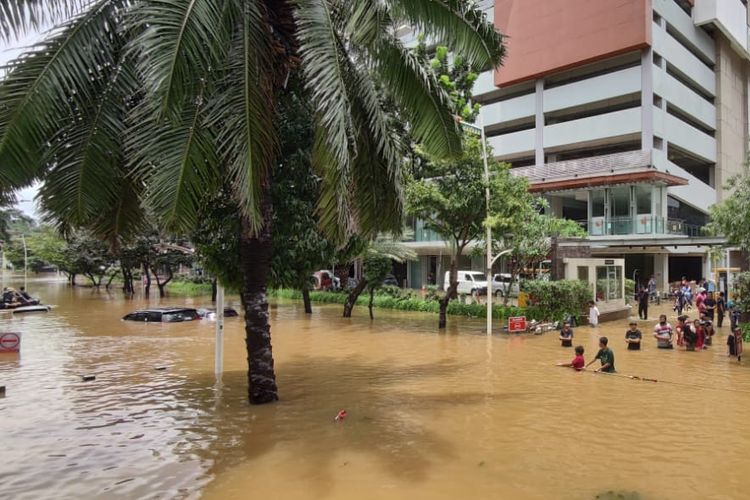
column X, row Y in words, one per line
column 353, row 296
column 306, row 300
column 255, row 264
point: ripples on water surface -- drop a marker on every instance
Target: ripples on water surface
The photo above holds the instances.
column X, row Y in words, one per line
column 431, row 415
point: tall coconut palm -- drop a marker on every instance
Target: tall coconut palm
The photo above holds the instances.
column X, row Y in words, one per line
column 129, row 107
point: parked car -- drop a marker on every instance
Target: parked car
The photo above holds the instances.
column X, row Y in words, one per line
column 390, row 280
column 325, row 280
column 469, row 283
column 164, row 315
column 501, row 284
column 210, row 312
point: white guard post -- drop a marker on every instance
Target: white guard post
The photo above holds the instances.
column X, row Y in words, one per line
column 219, row 359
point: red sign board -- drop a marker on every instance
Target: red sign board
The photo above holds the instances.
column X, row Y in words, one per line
column 517, row 324
column 10, row 342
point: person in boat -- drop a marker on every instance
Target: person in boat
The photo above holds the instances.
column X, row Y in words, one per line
column 27, row 299
column 10, row 299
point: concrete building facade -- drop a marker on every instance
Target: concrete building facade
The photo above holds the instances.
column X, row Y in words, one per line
column 628, row 116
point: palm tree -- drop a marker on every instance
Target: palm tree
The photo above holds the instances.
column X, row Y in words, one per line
column 133, row 107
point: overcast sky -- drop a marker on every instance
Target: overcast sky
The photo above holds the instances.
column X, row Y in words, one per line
column 8, row 53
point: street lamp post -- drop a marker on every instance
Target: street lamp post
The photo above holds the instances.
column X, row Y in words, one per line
column 488, row 234
column 25, row 263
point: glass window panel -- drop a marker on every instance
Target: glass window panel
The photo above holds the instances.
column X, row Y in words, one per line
column 597, row 203
column 620, row 202
column 643, row 199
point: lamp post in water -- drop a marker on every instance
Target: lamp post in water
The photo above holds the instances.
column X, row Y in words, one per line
column 219, row 350
column 488, row 234
column 25, row 263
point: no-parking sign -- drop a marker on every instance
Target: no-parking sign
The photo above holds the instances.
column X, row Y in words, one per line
column 10, row 342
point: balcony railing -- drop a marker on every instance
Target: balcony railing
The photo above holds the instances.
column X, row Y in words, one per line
column 642, row 224
column 628, row 161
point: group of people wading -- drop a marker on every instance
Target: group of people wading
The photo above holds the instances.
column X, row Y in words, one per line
column 689, row 334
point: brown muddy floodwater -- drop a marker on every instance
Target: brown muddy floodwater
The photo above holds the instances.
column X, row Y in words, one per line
column 430, row 416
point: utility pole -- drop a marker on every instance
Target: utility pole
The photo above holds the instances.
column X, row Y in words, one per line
column 488, row 234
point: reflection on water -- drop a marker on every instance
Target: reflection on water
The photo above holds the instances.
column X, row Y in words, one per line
column 429, row 415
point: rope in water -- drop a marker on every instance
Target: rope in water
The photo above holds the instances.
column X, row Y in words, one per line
column 683, row 384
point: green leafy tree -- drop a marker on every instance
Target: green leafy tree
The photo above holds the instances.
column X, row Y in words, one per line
column 731, row 217
column 162, row 104
column 450, row 199
column 89, row 256
column 521, row 228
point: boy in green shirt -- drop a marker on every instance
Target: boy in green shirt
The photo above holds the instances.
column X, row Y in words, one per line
column 606, row 356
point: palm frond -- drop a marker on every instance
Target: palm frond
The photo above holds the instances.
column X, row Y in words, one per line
column 20, row 17
column 459, row 24
column 323, row 64
column 419, row 95
column 45, row 86
column 175, row 160
column 86, row 157
column 388, row 246
column 174, row 45
column 242, row 112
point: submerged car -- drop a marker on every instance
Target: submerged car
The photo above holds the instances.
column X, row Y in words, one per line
column 210, row 312
column 164, row 315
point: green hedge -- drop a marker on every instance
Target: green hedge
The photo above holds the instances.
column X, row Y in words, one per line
column 555, row 300
column 408, row 303
column 187, row 288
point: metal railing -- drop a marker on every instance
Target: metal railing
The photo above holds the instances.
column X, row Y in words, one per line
column 641, row 224
column 587, row 167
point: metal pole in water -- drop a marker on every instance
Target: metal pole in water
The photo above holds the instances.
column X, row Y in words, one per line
column 219, row 360
column 25, row 263
column 489, row 231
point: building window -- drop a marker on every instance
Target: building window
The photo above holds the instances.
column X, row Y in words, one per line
column 608, row 283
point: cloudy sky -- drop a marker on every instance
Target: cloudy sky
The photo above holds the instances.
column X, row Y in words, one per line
column 8, row 53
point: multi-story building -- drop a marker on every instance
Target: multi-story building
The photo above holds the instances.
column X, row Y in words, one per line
column 628, row 116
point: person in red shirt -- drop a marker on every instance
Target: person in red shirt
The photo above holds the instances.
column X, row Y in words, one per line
column 578, row 362
column 700, row 335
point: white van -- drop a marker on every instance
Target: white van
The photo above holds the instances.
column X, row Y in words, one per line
column 501, row 285
column 469, row 282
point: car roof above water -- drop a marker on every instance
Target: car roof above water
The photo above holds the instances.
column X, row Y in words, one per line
column 165, row 310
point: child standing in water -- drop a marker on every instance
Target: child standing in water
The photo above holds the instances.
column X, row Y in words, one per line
column 578, row 362
column 633, row 337
column 566, row 335
column 593, row 314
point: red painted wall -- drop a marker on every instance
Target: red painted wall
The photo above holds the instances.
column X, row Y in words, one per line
column 545, row 36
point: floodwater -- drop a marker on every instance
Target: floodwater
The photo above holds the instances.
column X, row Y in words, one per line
column 430, row 415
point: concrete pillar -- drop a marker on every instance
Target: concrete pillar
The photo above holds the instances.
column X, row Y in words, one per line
column 707, row 266
column 661, row 271
column 647, row 100
column 539, row 124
